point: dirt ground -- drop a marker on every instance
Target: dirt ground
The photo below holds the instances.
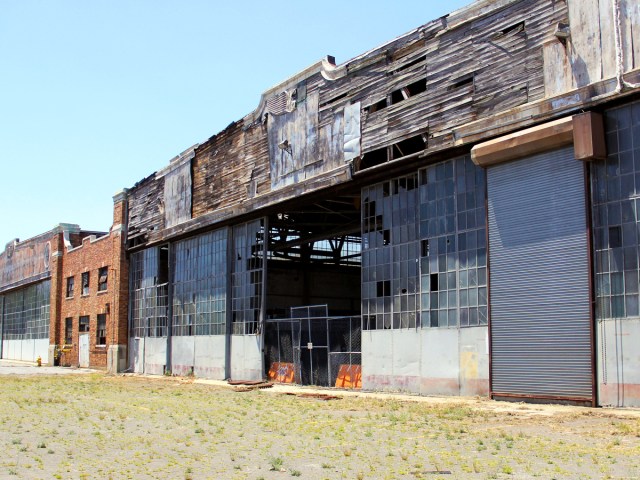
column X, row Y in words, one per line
column 95, row 426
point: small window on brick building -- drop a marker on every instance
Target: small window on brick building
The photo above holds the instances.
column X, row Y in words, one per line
column 68, row 331
column 83, row 324
column 85, row 283
column 103, row 274
column 70, row 284
column 101, row 331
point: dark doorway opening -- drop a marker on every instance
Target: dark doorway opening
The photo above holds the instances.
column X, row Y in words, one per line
column 313, row 258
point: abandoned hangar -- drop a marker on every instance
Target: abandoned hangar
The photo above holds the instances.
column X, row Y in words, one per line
column 454, row 212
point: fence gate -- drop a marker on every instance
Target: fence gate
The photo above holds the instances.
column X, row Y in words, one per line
column 311, row 348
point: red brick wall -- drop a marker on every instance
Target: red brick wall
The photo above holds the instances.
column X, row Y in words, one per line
column 93, row 254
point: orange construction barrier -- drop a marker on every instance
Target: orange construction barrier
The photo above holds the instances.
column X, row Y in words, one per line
column 349, row 376
column 281, row 372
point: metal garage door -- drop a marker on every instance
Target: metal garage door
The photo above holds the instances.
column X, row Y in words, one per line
column 540, row 294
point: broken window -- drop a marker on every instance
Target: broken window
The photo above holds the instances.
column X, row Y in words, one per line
column 415, row 144
column 403, row 148
column 101, row 330
column 615, row 236
column 148, row 272
column 103, row 273
column 464, row 81
column 200, row 285
column 616, row 217
column 247, row 276
column 70, row 284
column 389, row 268
column 68, row 331
column 373, row 158
column 513, row 29
column 384, row 288
column 374, row 107
column 85, row 283
column 412, row 63
column 83, row 324
column 407, row 91
column 435, row 255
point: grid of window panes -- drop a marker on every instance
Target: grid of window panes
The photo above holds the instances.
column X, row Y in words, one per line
column 428, row 227
column 615, row 193
column 200, row 285
column 26, row 312
column 471, row 243
column 390, row 293
column 149, row 298
column 247, row 276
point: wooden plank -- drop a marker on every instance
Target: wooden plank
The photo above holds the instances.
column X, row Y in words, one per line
column 607, row 39
column 630, row 29
column 533, row 140
column 177, row 194
column 585, row 53
column 557, row 70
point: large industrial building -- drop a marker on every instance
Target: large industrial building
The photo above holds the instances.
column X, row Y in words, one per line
column 454, row 212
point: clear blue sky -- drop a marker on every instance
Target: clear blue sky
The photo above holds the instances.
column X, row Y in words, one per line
column 96, row 95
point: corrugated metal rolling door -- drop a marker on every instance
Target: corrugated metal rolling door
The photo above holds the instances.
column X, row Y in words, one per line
column 539, row 278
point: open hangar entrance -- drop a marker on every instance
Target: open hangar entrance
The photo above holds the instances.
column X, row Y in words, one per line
column 313, row 292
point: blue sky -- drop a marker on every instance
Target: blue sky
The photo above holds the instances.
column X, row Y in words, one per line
column 96, row 95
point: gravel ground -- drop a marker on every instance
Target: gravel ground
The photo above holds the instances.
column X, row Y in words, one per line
column 116, row 427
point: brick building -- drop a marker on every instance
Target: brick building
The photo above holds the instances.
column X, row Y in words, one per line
column 64, row 287
column 90, row 330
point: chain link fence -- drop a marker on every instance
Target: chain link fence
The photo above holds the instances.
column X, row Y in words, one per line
column 317, row 348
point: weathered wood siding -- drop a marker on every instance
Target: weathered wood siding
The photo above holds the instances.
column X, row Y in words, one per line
column 146, row 209
column 588, row 54
column 485, row 70
column 230, row 168
column 22, row 261
column 177, row 194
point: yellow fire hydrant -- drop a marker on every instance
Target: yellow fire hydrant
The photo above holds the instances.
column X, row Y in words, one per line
column 39, row 361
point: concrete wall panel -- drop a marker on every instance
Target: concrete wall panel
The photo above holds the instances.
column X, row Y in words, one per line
column 155, row 355
column 136, row 354
column 440, row 361
column 41, row 349
column 12, row 349
column 618, row 362
column 391, row 360
column 427, row 361
column 377, row 359
column 210, row 356
column 246, row 357
column 474, row 361
column 182, row 355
